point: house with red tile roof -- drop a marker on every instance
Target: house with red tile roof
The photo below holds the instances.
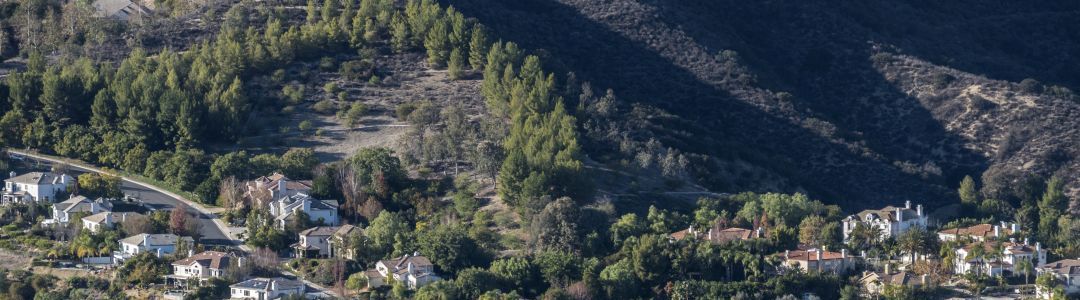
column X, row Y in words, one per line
column 819, row 260
column 980, row 232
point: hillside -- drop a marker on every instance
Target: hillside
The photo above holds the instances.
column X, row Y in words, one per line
column 860, row 105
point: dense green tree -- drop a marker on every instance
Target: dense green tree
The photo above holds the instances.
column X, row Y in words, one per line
column 450, row 248
column 618, row 280
column 1051, row 207
column 383, row 229
column 629, row 225
column 456, row 66
column 968, row 193
column 478, row 47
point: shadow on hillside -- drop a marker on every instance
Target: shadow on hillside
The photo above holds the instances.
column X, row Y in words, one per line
column 716, row 123
column 825, row 59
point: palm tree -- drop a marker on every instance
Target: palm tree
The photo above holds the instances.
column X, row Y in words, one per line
column 977, row 253
column 1026, row 267
column 863, row 236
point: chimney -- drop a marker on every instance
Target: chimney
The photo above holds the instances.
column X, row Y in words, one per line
column 410, row 268
column 924, row 279
column 907, row 204
column 887, row 269
column 818, row 253
column 997, row 231
column 862, row 253
column 843, row 253
column 1038, row 247
column 190, row 252
column 12, row 174
column 787, row 254
column 1025, row 241
column 1014, row 228
column 918, row 210
column 690, row 230
column 899, row 214
column 282, row 185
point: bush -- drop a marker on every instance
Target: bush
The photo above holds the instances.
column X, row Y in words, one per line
column 293, row 94
column 278, row 76
column 327, row 64
column 305, row 125
column 331, row 88
column 404, row 110
column 324, row 107
column 374, row 80
column 352, row 115
column 357, row 69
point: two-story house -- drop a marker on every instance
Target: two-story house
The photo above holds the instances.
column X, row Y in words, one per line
column 105, row 220
column 202, row 266
column 63, row 211
column 314, row 242
column 266, row 288
column 980, row 232
column 819, row 260
column 35, row 186
column 340, row 243
column 1067, row 273
column 414, row 271
column 157, row 244
column 323, row 212
column 994, row 263
column 265, row 189
column 892, row 221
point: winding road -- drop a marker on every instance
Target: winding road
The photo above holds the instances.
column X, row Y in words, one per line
column 214, row 231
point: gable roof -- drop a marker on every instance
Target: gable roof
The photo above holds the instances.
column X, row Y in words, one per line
column 899, row 278
column 164, row 239
column 82, row 204
column 210, row 259
column 401, row 262
column 347, row 230
column 96, row 218
column 889, row 213
column 319, row 231
column 35, row 178
column 1063, row 267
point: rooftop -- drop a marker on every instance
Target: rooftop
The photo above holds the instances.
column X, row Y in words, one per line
column 35, row 178
column 164, row 239
column 265, row 284
column 211, row 259
column 1063, row 267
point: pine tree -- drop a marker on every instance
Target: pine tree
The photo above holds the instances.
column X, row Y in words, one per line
column 399, row 31
column 1051, row 207
column 457, row 64
column 478, row 47
column 968, row 195
column 437, row 45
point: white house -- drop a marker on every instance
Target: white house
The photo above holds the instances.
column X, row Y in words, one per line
column 819, row 260
column 413, row 270
column 1067, row 272
column 34, row 186
column 318, row 211
column 314, row 242
column 63, row 211
column 980, row 232
column 266, row 288
column 1011, row 254
column 892, row 221
column 202, row 266
column 104, row 220
column 158, row 244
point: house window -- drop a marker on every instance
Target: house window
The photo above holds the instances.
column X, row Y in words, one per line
column 247, row 293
